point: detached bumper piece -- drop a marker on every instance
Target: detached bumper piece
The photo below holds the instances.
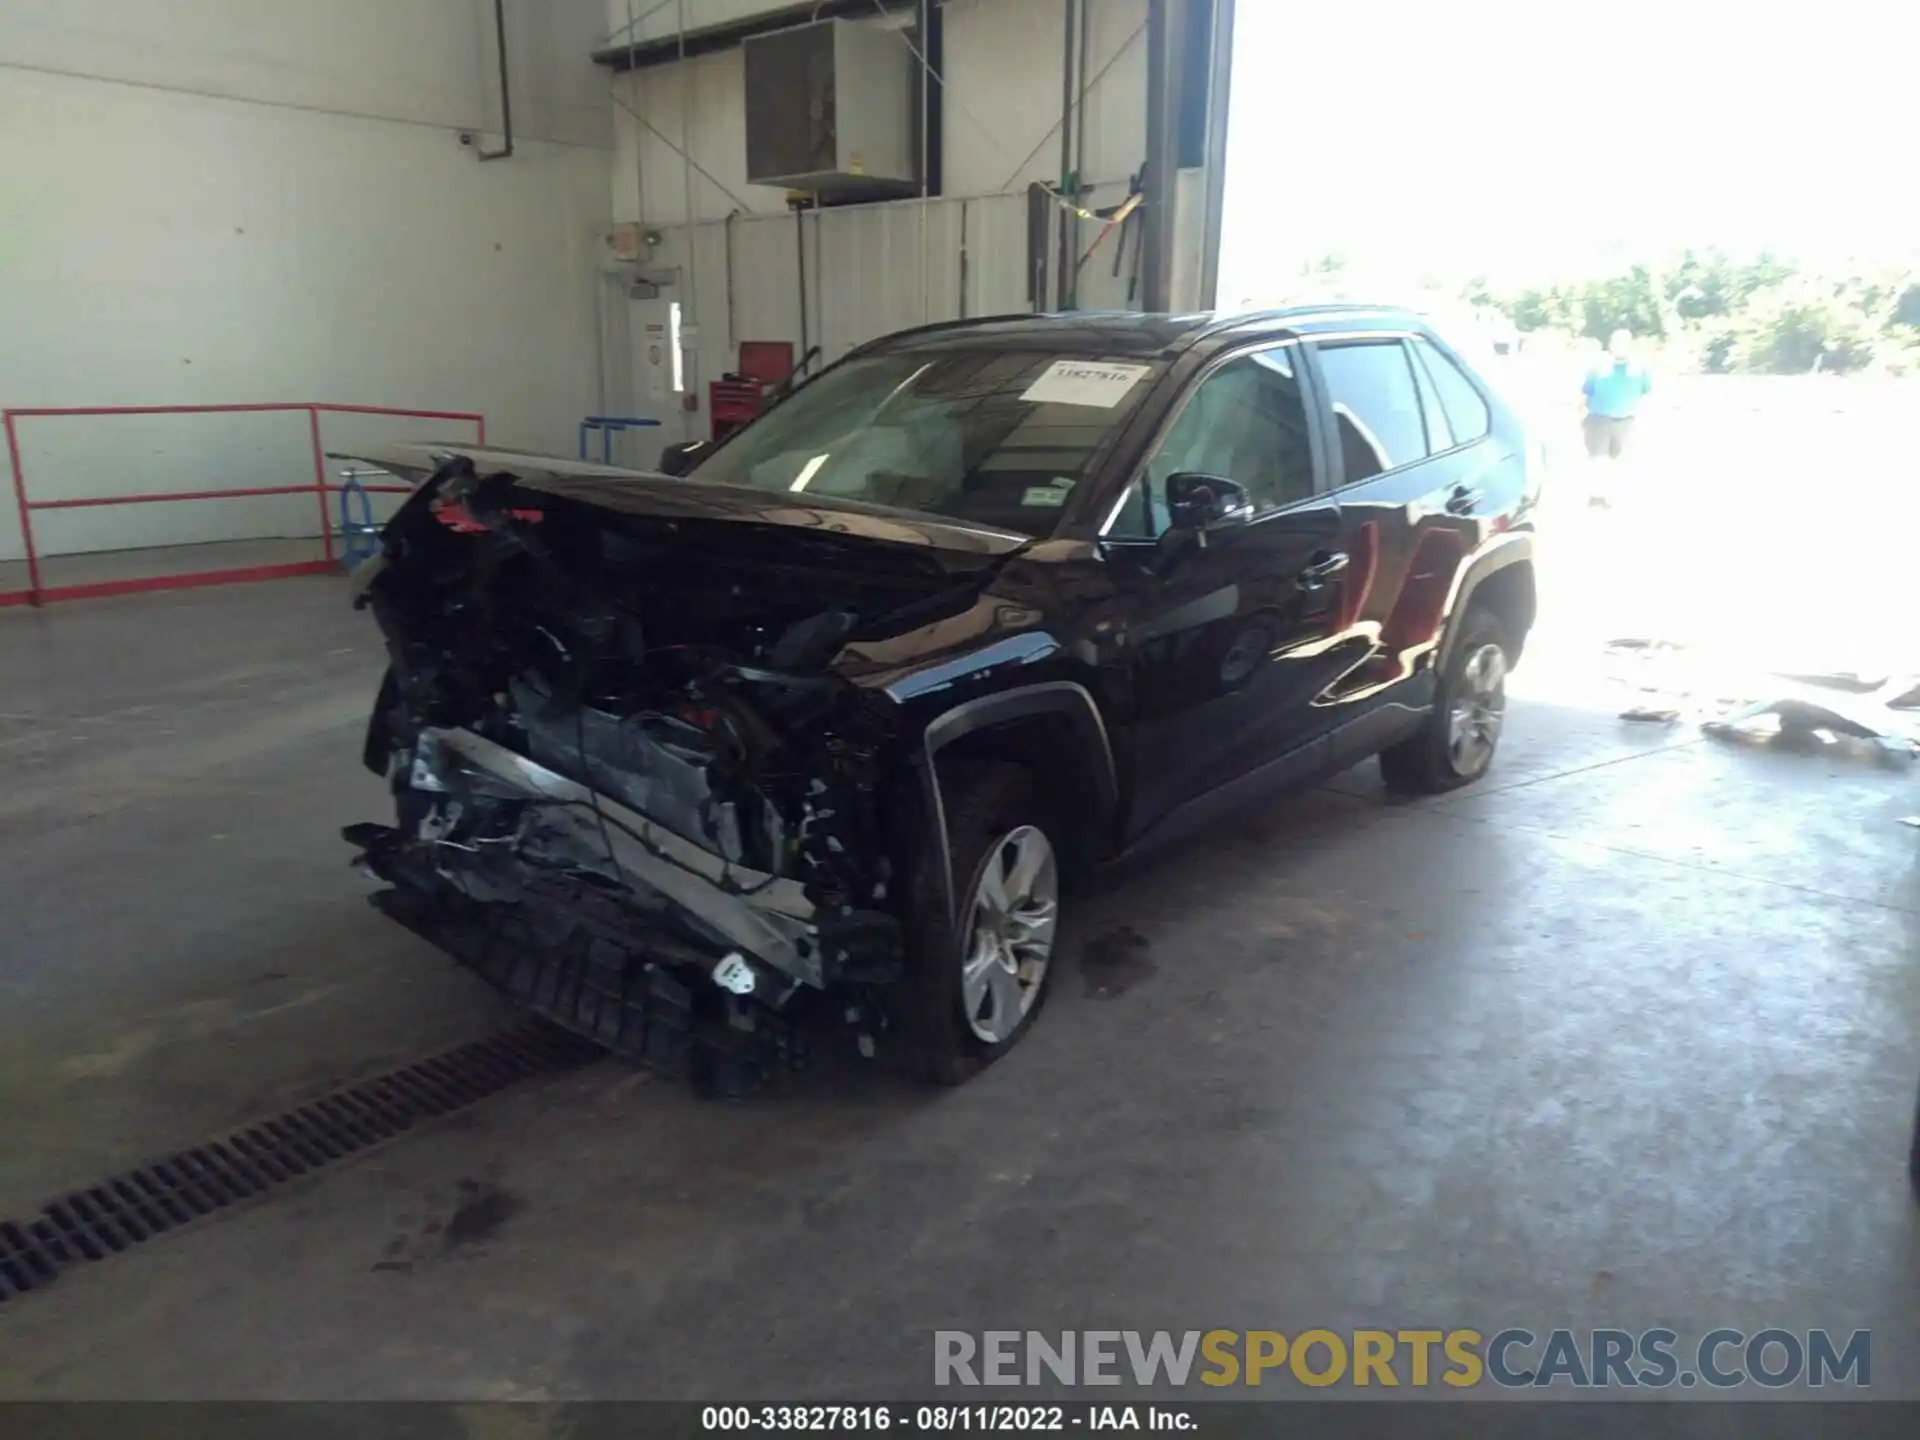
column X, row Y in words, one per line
column 577, row 959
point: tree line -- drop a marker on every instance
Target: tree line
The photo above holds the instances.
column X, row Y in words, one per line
column 1709, row 311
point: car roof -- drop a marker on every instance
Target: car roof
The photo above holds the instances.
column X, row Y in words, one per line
column 1126, row 332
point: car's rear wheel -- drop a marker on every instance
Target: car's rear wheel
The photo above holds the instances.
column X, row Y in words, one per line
column 1455, row 744
column 980, row 976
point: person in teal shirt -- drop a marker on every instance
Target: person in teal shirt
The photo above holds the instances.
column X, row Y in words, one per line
column 1614, row 390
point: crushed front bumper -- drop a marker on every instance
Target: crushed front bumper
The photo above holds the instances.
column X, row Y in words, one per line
column 769, row 918
column 605, row 922
column 641, row 996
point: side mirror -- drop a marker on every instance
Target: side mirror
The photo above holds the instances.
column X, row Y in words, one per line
column 679, row 459
column 1205, row 502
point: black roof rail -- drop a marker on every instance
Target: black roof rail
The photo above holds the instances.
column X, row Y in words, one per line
column 936, row 326
column 1204, row 323
column 1282, row 314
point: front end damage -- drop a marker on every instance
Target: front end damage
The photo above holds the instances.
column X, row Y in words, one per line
column 629, row 789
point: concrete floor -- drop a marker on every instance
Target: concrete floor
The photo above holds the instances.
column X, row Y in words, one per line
column 100, row 566
column 1626, row 1036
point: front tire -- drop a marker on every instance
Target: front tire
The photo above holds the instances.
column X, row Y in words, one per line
column 979, row 979
column 1454, row 745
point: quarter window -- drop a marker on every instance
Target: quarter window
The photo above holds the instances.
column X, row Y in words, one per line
column 1439, row 432
column 1376, row 406
column 1466, row 407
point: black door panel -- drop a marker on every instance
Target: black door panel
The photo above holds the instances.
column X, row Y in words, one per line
column 1413, row 503
column 1231, row 660
column 1230, row 629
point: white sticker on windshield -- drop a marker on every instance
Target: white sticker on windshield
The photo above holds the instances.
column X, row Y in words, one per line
column 1084, row 382
column 1051, row 496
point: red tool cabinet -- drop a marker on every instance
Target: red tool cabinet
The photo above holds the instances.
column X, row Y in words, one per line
column 734, row 399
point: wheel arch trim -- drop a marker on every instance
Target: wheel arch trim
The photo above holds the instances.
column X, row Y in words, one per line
column 1022, row 702
column 1502, row 552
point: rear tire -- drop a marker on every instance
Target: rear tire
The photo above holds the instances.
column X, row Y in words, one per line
column 1455, row 744
column 977, row 981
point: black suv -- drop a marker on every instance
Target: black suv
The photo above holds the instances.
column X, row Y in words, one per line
column 843, row 705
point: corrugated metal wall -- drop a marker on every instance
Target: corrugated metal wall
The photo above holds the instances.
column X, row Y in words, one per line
column 1002, row 69
column 870, row 270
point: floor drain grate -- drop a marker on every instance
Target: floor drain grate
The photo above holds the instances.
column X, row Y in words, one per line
column 126, row 1209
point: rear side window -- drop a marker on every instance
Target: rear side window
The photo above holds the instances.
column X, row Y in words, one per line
column 1467, row 413
column 1376, row 406
column 1439, row 432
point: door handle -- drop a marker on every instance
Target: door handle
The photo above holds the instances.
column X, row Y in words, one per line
column 1323, row 569
column 1461, row 500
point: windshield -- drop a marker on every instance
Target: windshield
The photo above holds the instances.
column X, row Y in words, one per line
column 990, row 437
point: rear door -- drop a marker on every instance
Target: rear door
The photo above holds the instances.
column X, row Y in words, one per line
column 1412, row 476
column 1226, row 640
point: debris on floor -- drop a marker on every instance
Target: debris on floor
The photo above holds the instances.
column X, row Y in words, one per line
column 1805, row 719
column 1668, row 680
column 1873, row 714
column 1896, row 692
column 1850, row 681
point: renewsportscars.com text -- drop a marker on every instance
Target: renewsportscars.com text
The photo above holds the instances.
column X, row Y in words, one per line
column 1512, row 1358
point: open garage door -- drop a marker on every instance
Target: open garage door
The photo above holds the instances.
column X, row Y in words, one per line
column 1699, row 289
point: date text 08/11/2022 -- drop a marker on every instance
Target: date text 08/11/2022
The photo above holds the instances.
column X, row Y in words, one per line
column 942, row 1419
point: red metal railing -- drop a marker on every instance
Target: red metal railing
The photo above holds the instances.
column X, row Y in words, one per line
column 38, row 593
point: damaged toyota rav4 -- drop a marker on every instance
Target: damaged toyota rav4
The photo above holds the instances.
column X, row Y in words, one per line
column 833, row 717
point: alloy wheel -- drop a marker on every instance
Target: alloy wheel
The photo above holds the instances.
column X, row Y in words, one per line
column 1012, row 915
column 1479, row 706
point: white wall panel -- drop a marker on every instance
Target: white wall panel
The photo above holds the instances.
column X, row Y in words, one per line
column 425, row 61
column 221, row 251
column 879, row 265
column 1001, row 121
column 766, row 285
column 765, row 306
column 660, row 19
column 558, row 93
column 649, row 175
column 875, row 269
column 997, row 255
column 872, row 270
column 1003, row 74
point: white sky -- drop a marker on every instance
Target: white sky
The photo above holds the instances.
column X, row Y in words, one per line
column 1510, row 138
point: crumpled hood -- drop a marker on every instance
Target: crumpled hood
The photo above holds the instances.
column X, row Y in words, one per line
column 644, row 493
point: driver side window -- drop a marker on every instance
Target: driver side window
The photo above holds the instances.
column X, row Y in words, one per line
column 1247, row 422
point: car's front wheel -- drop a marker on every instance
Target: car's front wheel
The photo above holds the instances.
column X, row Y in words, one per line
column 1455, row 744
column 980, row 977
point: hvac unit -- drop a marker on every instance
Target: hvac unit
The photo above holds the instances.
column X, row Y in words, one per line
column 830, row 109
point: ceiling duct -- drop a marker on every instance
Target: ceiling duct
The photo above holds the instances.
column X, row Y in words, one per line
column 829, row 110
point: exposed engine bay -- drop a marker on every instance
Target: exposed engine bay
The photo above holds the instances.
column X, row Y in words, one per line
column 629, row 790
